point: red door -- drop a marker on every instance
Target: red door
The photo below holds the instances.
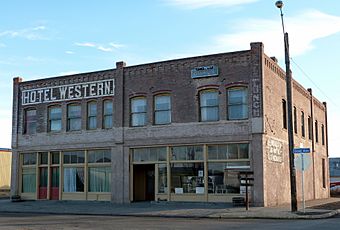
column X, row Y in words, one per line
column 42, row 183
column 54, row 190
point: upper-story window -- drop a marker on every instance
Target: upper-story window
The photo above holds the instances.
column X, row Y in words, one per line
column 310, row 128
column 162, row 109
column 322, row 134
column 295, row 120
column 138, row 111
column 73, row 117
column 284, row 114
column 54, row 118
column 237, row 103
column 209, row 105
column 303, row 124
column 92, row 115
column 316, row 131
column 30, row 121
column 107, row 114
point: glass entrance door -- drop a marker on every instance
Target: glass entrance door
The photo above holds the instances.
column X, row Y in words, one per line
column 43, row 183
column 54, row 189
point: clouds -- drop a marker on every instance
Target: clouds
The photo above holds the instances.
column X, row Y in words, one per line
column 31, row 33
column 105, row 48
column 303, row 30
column 195, row 4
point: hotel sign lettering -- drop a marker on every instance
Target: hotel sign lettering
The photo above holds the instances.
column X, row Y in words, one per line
column 204, row 71
column 68, row 92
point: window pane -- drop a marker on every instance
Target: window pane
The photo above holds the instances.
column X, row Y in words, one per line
column 222, row 180
column 55, row 125
column 99, row 179
column 92, row 122
column 187, row 153
column 162, row 103
column 138, row 119
column 28, row 180
column 108, row 107
column 237, row 112
column 43, row 158
column 29, row 158
column 162, row 117
column 99, row 156
column 74, row 111
column 55, row 113
column 162, row 179
column 108, row 121
column 232, row 151
column 138, row 105
column 187, row 178
column 244, row 151
column 74, row 157
column 55, row 157
column 73, row 180
column 209, row 114
column 74, row 124
column 149, row 154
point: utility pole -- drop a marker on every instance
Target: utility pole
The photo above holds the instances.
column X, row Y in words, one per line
column 279, row 4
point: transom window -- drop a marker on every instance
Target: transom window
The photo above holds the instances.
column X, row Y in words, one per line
column 73, row 117
column 31, row 121
column 209, row 105
column 54, row 118
column 138, row 111
column 237, row 103
column 162, row 109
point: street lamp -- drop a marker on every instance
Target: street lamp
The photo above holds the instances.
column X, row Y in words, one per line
column 279, row 4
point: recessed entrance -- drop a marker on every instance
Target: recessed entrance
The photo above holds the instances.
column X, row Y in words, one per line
column 144, row 182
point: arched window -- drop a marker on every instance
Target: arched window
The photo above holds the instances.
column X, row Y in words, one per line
column 162, row 109
column 73, row 117
column 237, row 103
column 30, row 121
column 138, row 111
column 209, row 105
column 107, row 114
column 54, row 118
column 92, row 115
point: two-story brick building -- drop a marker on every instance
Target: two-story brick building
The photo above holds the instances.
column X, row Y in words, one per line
column 177, row 130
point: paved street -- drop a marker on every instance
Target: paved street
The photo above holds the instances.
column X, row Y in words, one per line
column 34, row 221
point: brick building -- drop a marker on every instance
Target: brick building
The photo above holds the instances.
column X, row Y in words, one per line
column 177, row 130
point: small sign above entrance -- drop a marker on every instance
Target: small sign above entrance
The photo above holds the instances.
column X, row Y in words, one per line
column 204, row 71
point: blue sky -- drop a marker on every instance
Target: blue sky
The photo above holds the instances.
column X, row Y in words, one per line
column 40, row 38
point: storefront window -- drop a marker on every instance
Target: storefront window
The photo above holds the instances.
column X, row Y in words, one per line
column 187, row 153
column 29, row 158
column 43, row 158
column 230, row 151
column 162, row 179
column 99, row 156
column 55, row 157
column 149, row 154
column 99, row 179
column 187, row 178
column 73, row 179
column 28, row 180
column 222, row 179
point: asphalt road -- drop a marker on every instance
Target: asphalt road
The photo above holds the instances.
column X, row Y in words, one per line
column 33, row 221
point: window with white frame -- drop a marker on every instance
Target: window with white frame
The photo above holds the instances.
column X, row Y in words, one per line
column 138, row 111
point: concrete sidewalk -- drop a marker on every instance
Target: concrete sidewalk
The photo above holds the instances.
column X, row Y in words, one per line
column 166, row 209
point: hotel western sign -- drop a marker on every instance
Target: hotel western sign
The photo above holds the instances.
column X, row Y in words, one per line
column 68, row 92
column 204, row 71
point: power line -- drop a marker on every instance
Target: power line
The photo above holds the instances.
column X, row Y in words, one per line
column 310, row 79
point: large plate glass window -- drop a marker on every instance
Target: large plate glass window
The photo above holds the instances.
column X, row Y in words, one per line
column 209, row 105
column 99, row 172
column 237, row 103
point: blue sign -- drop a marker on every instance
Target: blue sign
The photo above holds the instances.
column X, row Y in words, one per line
column 204, row 71
column 301, row 150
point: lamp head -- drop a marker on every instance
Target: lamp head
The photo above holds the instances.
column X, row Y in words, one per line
column 279, row 4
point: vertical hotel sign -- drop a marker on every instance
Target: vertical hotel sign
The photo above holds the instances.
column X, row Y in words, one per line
column 68, row 92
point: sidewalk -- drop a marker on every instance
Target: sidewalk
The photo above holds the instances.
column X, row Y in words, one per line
column 167, row 209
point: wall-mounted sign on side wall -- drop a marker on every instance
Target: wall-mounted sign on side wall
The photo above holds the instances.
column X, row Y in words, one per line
column 68, row 92
column 204, row 71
